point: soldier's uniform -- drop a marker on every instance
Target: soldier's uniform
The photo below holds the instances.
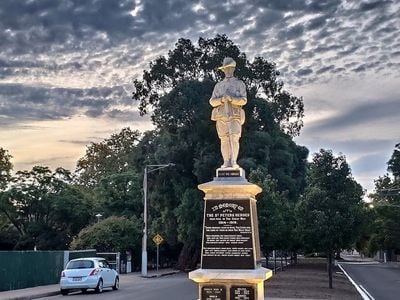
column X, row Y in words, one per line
column 229, row 116
column 227, row 98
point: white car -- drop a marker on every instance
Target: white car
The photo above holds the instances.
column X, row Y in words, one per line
column 88, row 273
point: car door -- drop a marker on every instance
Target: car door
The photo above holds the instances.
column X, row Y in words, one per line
column 103, row 272
column 108, row 274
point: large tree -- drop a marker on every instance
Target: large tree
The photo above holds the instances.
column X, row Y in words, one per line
column 394, row 162
column 176, row 90
column 45, row 208
column 111, row 234
column 120, row 194
column 108, row 157
column 5, row 168
column 8, row 234
column 385, row 233
column 275, row 215
column 330, row 213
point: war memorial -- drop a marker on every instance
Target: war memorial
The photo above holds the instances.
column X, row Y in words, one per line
column 230, row 256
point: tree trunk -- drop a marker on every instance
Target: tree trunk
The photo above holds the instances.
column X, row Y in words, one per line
column 337, row 254
column 195, row 258
column 330, row 268
column 281, row 260
column 188, row 258
column 286, row 259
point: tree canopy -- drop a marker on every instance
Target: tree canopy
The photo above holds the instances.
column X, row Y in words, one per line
column 175, row 90
column 394, row 162
column 330, row 214
column 111, row 234
column 385, row 233
column 5, row 168
column 188, row 61
column 45, row 209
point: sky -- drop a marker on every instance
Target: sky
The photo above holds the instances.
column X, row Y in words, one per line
column 66, row 69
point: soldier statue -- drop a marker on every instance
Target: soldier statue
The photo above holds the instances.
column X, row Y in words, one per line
column 227, row 100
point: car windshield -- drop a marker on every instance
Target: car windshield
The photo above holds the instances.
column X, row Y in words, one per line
column 80, row 264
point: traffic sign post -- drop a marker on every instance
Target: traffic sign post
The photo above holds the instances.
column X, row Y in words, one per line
column 158, row 239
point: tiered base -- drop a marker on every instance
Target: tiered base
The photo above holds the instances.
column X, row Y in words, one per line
column 222, row 284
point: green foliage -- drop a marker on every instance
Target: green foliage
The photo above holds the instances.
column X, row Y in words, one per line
column 394, row 162
column 330, row 214
column 111, row 234
column 177, row 88
column 45, row 208
column 190, row 217
column 8, row 234
column 120, row 194
column 277, row 224
column 385, row 233
column 108, row 157
column 5, row 168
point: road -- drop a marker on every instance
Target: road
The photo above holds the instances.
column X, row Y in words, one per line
column 381, row 281
column 176, row 286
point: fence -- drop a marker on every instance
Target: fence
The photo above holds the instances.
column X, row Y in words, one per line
column 23, row 269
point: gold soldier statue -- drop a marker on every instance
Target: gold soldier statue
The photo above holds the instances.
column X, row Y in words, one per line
column 227, row 100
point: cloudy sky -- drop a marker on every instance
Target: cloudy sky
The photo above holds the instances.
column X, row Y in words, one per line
column 66, row 69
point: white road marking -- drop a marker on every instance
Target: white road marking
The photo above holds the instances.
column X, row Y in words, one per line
column 365, row 290
column 364, row 295
column 360, row 262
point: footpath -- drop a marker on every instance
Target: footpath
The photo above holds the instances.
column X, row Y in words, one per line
column 308, row 279
column 54, row 289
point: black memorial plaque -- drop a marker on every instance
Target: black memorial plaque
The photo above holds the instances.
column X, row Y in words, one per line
column 228, row 173
column 228, row 235
column 242, row 293
column 213, row 292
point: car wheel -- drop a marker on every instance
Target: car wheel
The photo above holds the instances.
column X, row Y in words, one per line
column 99, row 288
column 116, row 284
column 84, row 291
column 64, row 292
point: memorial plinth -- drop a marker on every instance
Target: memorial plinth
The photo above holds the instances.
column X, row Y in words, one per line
column 230, row 257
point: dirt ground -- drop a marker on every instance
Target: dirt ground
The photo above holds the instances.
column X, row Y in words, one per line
column 309, row 280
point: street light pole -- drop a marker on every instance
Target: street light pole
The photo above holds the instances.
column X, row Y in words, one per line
column 148, row 169
column 144, row 242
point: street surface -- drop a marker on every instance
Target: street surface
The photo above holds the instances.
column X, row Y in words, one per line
column 135, row 287
column 379, row 281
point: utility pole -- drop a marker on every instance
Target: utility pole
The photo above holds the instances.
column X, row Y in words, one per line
column 148, row 169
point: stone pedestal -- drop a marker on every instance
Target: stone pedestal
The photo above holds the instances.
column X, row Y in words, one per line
column 230, row 258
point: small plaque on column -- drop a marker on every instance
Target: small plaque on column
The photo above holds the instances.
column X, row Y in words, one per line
column 213, row 292
column 229, row 173
column 242, row 293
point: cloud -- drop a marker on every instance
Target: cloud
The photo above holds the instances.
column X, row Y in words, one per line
column 304, row 72
column 36, row 26
column 368, row 163
column 366, row 6
column 76, row 142
column 72, row 39
column 19, row 103
column 362, row 114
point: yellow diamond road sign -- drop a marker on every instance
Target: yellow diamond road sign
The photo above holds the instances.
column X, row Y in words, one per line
column 158, row 239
